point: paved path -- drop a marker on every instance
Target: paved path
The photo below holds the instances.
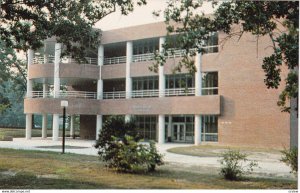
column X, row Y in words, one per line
column 269, row 164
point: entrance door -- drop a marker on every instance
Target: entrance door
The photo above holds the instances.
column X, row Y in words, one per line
column 178, row 132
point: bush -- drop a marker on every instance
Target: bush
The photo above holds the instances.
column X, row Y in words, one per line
column 234, row 165
column 130, row 156
column 290, row 158
column 119, row 147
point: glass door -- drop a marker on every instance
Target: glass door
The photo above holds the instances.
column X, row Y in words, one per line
column 178, row 132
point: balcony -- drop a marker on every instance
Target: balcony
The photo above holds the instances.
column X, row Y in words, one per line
column 82, row 102
column 64, row 60
column 115, row 60
column 156, row 93
column 176, row 53
column 64, row 94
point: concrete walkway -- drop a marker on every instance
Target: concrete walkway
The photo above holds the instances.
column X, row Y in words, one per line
column 270, row 166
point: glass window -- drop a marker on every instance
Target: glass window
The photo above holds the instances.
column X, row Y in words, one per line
column 210, row 83
column 210, row 128
column 180, row 81
column 146, row 126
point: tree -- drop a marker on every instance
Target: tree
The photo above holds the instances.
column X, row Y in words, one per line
column 260, row 18
column 25, row 24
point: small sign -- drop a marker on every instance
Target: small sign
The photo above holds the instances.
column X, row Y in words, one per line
column 64, row 103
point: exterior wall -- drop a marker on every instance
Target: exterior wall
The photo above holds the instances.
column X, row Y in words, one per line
column 209, row 104
column 41, row 71
column 133, row 33
column 70, row 70
column 249, row 113
column 87, row 127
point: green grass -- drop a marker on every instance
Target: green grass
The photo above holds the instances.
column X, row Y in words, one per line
column 49, row 170
column 215, row 151
column 19, row 133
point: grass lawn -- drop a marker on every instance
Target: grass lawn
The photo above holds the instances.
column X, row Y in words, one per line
column 18, row 133
column 215, row 151
column 49, row 170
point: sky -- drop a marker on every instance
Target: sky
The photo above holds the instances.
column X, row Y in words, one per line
column 140, row 15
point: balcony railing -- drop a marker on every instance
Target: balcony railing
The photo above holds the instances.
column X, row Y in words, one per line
column 78, row 94
column 114, row 95
column 63, row 94
column 145, row 93
column 67, row 59
column 150, row 56
column 180, row 92
column 143, row 57
column 122, row 94
column 115, row 60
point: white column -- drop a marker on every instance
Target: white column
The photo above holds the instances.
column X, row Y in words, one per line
column 55, row 131
column 161, row 78
column 28, row 125
column 129, row 53
column 198, row 131
column 72, row 131
column 45, row 90
column 198, row 92
column 44, row 126
column 98, row 126
column 161, row 129
column 100, row 64
column 170, row 127
column 198, row 76
column 56, row 70
column 100, row 55
column 44, row 120
column 30, row 54
column 100, row 89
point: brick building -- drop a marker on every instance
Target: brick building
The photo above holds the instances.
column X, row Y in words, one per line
column 225, row 102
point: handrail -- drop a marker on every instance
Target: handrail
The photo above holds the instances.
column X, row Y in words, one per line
column 119, row 94
column 114, row 95
column 143, row 57
column 63, row 94
column 66, row 59
column 115, row 60
column 145, row 93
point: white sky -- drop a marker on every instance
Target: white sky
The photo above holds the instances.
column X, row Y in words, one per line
column 140, row 15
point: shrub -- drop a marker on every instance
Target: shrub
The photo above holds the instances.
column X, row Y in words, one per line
column 290, row 158
column 119, row 147
column 235, row 164
column 129, row 156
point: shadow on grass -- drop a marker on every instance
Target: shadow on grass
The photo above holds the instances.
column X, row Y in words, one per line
column 25, row 180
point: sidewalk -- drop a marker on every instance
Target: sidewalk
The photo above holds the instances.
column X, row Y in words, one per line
column 269, row 166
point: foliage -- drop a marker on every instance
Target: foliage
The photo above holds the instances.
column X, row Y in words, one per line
column 12, row 115
column 27, row 23
column 234, row 165
column 119, row 146
column 277, row 19
column 127, row 155
column 290, row 158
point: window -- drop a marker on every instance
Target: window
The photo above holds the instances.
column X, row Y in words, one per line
column 146, row 125
column 145, row 83
column 210, row 83
column 209, row 128
column 180, row 81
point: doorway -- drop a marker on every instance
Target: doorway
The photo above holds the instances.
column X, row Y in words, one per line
column 178, row 133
